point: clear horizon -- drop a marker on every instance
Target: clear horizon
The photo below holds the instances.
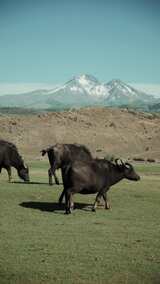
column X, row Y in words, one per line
column 48, row 42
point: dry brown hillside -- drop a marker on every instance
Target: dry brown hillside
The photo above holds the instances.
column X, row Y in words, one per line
column 119, row 132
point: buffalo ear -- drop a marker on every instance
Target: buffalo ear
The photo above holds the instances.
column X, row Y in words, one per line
column 43, row 152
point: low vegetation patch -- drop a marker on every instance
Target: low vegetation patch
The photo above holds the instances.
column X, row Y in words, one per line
column 138, row 159
column 150, row 160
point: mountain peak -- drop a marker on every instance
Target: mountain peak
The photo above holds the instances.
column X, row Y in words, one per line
column 115, row 82
column 86, row 78
column 83, row 80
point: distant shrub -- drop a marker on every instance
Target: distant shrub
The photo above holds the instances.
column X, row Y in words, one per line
column 138, row 159
column 98, row 150
column 112, row 124
column 150, row 160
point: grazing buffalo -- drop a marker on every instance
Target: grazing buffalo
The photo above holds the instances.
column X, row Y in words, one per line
column 60, row 155
column 9, row 157
column 95, row 176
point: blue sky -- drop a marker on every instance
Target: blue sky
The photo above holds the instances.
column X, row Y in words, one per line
column 49, row 42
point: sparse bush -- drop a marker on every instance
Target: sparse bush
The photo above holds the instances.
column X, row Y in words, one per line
column 98, row 150
column 150, row 160
column 112, row 124
column 138, row 159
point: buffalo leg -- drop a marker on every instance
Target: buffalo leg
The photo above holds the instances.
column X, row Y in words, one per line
column 51, row 172
column 9, row 173
column 61, row 199
column 56, row 178
column 96, row 201
column 69, row 201
column 64, row 171
column 100, row 202
column 50, row 177
column 107, row 205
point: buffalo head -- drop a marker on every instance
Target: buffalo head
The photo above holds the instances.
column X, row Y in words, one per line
column 24, row 173
column 128, row 170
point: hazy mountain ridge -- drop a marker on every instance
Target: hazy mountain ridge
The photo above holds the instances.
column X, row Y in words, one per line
column 81, row 91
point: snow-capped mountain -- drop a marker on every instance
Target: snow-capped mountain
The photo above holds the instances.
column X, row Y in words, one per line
column 84, row 85
column 87, row 89
column 83, row 90
column 92, row 86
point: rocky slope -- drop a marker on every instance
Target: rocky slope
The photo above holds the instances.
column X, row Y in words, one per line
column 105, row 131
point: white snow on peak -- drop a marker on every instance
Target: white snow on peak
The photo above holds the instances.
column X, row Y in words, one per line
column 76, row 89
column 122, row 87
column 100, row 91
column 126, row 88
column 89, row 85
column 84, row 81
column 92, row 86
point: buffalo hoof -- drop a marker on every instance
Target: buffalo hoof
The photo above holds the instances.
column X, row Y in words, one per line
column 68, row 211
column 57, row 182
column 72, row 207
column 93, row 209
column 108, row 206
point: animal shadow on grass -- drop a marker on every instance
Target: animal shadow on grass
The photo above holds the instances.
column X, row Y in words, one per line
column 53, row 206
column 33, row 182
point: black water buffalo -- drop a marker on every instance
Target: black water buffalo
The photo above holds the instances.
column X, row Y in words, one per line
column 9, row 157
column 60, row 155
column 94, row 176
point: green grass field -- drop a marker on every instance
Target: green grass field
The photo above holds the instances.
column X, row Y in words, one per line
column 40, row 244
